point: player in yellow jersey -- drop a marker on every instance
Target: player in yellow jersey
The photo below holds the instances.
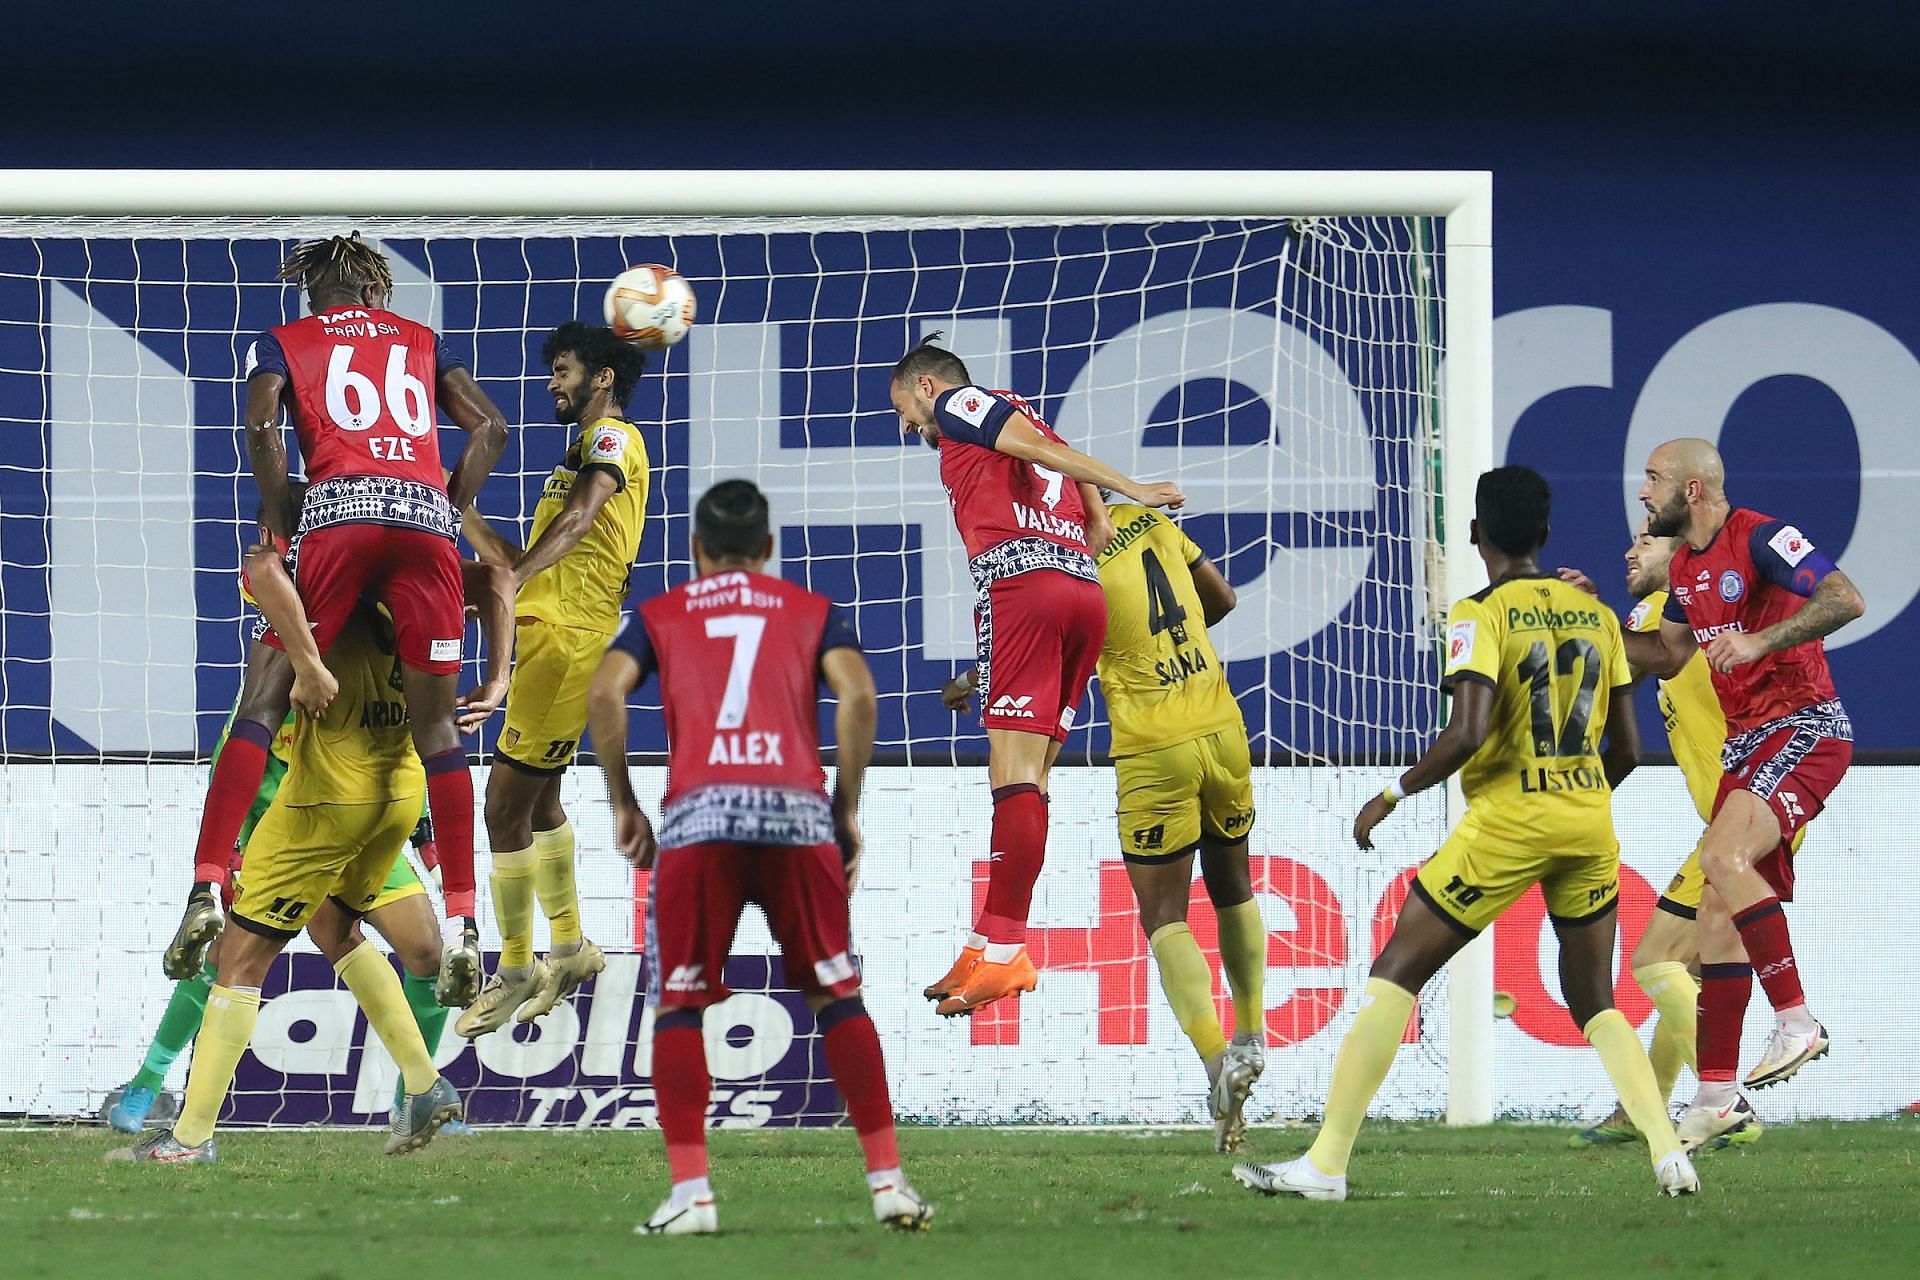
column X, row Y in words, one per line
column 1538, row 675
column 572, row 579
column 321, row 858
column 1184, row 774
column 1669, row 948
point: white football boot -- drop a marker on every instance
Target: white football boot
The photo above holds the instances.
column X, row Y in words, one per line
column 1240, row 1066
column 1714, row 1126
column 1787, row 1052
column 1676, row 1176
column 897, row 1205
column 1294, row 1178
column 697, row 1217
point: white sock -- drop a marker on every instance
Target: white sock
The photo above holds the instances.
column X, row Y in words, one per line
column 1715, row 1093
column 880, row 1179
column 977, row 941
column 685, row 1193
column 1796, row 1021
column 1003, row 952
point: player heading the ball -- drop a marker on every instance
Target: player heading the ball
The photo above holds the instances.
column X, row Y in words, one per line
column 746, row 818
column 1028, row 508
column 1539, row 680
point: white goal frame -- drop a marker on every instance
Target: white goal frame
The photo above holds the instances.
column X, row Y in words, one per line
column 1464, row 199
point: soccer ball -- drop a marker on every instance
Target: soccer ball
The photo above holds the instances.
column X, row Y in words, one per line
column 650, row 306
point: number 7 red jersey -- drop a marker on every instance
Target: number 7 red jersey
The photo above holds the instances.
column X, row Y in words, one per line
column 361, row 383
column 739, row 660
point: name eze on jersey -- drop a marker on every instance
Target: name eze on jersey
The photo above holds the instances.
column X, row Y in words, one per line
column 728, row 591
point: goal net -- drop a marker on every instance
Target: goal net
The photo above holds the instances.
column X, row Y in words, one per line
column 1289, row 369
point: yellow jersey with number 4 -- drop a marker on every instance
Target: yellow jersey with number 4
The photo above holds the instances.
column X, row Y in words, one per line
column 1696, row 726
column 1163, row 682
column 586, row 587
column 1553, row 656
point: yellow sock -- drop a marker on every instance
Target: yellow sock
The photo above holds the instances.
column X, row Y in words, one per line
column 1243, row 955
column 1365, row 1055
column 1188, row 982
column 379, row 994
column 1632, row 1077
column 512, row 882
column 1675, row 996
column 224, row 1033
column 553, row 881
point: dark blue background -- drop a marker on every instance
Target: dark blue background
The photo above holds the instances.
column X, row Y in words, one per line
column 1666, row 165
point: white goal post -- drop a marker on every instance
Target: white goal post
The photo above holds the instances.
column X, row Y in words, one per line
column 1458, row 418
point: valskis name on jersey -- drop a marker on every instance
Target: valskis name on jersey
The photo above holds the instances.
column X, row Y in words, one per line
column 1046, row 522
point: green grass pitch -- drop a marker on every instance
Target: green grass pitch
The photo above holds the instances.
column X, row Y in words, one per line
column 1808, row 1200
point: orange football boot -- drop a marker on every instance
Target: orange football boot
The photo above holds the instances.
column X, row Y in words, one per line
column 969, row 957
column 989, row 982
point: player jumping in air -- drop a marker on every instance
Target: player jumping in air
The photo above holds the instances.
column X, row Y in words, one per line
column 746, row 818
column 362, row 386
column 1184, row 771
column 402, row 913
column 572, row 578
column 1539, row 678
column 1755, row 595
column 1025, row 503
column 322, row 858
column 1669, row 947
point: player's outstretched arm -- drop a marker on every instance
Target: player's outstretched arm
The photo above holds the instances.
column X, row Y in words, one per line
column 590, row 493
column 1100, row 532
column 957, row 692
column 1834, row 603
column 1661, row 653
column 613, row 681
column 1217, row 597
column 1621, row 752
column 314, row 686
column 487, row 542
column 475, row 413
column 1466, row 730
column 1019, row 438
column 489, row 591
column 854, row 720
column 267, row 451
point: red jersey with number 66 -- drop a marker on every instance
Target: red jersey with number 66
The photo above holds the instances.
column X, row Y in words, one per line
column 361, row 385
column 739, row 660
column 1754, row 573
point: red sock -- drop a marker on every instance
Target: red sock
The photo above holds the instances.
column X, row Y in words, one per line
column 450, row 804
column 1019, row 847
column 681, row 1087
column 1724, row 992
column 236, row 784
column 859, row 1069
column 1763, row 930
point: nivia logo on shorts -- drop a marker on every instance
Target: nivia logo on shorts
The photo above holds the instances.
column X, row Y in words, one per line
column 1008, row 705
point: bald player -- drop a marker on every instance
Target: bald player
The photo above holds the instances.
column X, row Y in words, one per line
column 1755, row 595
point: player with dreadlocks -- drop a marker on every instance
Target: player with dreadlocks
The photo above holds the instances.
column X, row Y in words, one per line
column 362, row 387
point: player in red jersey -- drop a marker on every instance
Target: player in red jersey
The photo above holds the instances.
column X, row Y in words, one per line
column 362, row 386
column 1757, row 595
column 1027, row 506
column 746, row 818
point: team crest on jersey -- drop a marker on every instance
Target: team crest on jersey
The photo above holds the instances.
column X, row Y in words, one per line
column 1460, row 639
column 608, row 445
column 1732, row 586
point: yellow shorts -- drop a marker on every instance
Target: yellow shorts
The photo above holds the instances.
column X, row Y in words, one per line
column 299, row 857
column 1473, row 878
column 547, row 699
column 1682, row 897
column 1172, row 796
